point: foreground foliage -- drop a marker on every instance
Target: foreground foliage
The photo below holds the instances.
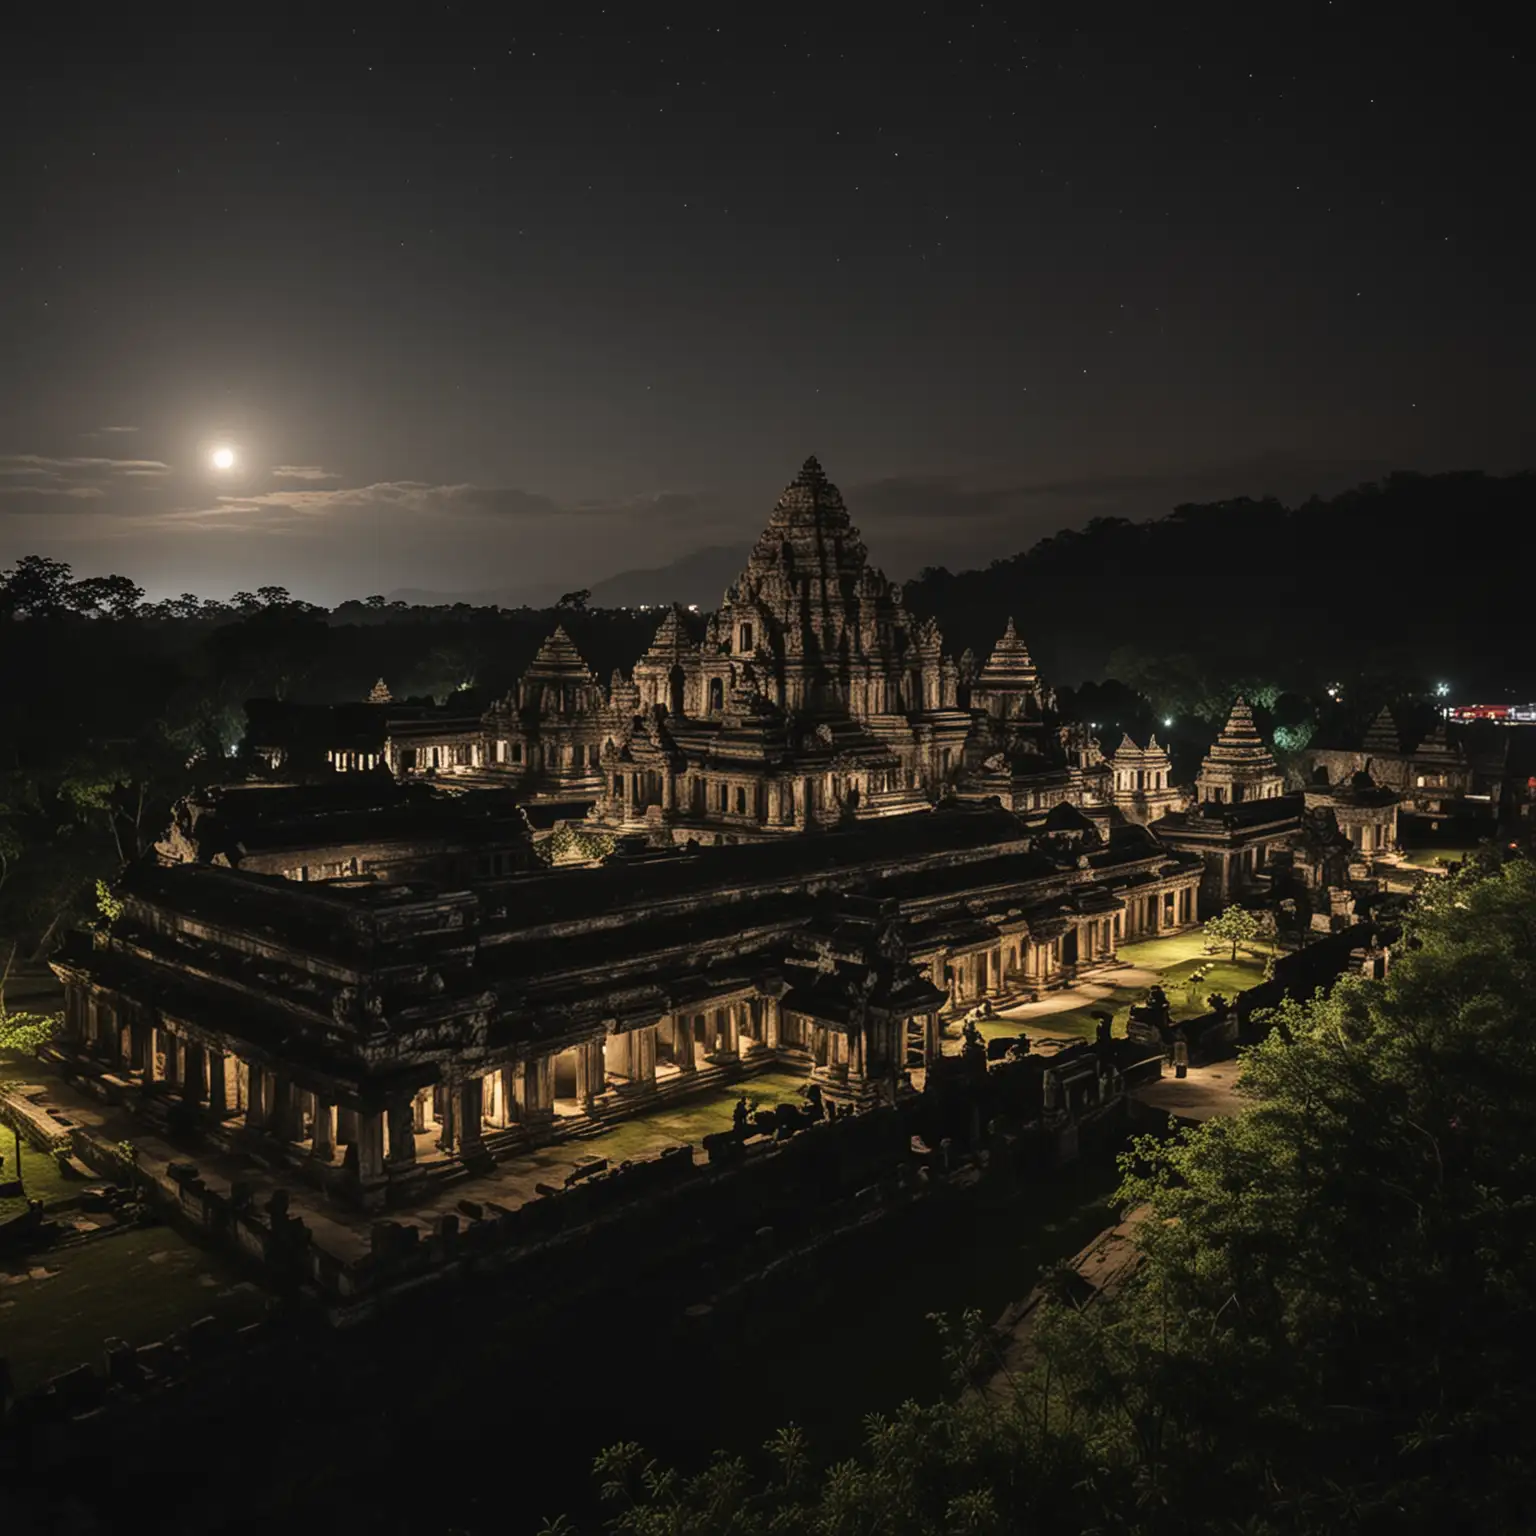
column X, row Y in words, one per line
column 1332, row 1330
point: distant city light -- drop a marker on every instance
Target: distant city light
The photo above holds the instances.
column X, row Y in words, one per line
column 223, row 458
column 693, row 607
column 1441, row 689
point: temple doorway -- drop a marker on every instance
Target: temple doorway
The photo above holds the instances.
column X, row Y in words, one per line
column 566, row 1102
column 1069, row 947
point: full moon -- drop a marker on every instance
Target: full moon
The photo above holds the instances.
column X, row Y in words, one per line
column 223, row 458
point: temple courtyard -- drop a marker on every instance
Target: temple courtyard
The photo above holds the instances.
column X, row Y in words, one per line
column 1068, row 1014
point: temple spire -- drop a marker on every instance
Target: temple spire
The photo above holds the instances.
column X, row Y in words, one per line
column 1239, row 766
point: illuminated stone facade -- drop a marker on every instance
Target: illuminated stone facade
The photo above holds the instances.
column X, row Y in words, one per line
column 378, row 1036
column 1142, row 786
column 1239, row 767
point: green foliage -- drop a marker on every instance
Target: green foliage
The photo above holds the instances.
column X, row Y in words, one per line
column 574, row 845
column 1333, row 1328
column 107, row 904
column 27, row 1032
column 1234, row 926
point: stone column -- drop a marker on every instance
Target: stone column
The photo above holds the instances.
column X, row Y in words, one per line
column 448, row 1123
column 588, row 1075
column 218, row 1084
column 509, row 1093
column 256, row 1111
column 284, row 1113
column 144, row 1050
column 322, row 1144
column 170, row 1048
column 401, row 1117
column 194, row 1086
column 471, row 1117
column 685, row 1047
column 770, row 1018
column 370, row 1155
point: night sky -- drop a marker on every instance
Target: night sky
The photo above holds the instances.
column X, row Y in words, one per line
column 513, row 298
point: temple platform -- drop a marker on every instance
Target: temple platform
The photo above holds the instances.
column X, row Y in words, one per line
column 238, row 1201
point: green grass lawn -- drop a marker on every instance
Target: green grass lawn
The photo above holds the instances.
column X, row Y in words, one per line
column 689, row 1121
column 1174, row 959
column 1160, row 954
column 57, row 1308
column 39, row 1173
column 1431, row 858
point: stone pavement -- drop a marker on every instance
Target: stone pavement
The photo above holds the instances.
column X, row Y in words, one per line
column 1206, row 1093
column 1083, row 994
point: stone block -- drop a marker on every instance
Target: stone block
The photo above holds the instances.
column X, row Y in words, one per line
column 153, row 1359
column 123, row 1367
column 78, row 1390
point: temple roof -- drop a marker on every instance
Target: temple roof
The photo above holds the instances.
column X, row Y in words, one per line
column 1437, row 745
column 1128, row 753
column 559, row 660
column 1009, row 665
column 1240, row 747
column 810, row 500
column 1382, row 736
column 672, row 643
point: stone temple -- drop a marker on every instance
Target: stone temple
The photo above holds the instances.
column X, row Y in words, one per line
column 800, row 841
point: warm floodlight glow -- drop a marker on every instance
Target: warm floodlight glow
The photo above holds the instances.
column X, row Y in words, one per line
column 223, row 458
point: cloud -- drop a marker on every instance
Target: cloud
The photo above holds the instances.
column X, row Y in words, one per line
column 41, row 465
column 302, row 472
column 107, row 431
column 32, row 482
column 424, row 501
column 77, row 492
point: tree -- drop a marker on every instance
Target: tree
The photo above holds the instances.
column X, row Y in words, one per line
column 35, row 588
column 108, row 597
column 576, row 600
column 1234, row 926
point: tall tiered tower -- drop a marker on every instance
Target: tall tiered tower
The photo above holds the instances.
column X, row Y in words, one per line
column 1239, row 766
column 822, row 631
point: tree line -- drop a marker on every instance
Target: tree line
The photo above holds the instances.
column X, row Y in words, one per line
column 1384, row 590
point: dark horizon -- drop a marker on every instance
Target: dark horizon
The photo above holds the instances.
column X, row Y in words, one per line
column 495, row 304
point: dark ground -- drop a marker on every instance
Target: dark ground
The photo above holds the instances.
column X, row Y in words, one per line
column 466, row 1416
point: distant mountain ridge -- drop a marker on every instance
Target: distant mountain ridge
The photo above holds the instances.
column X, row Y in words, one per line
column 697, row 578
